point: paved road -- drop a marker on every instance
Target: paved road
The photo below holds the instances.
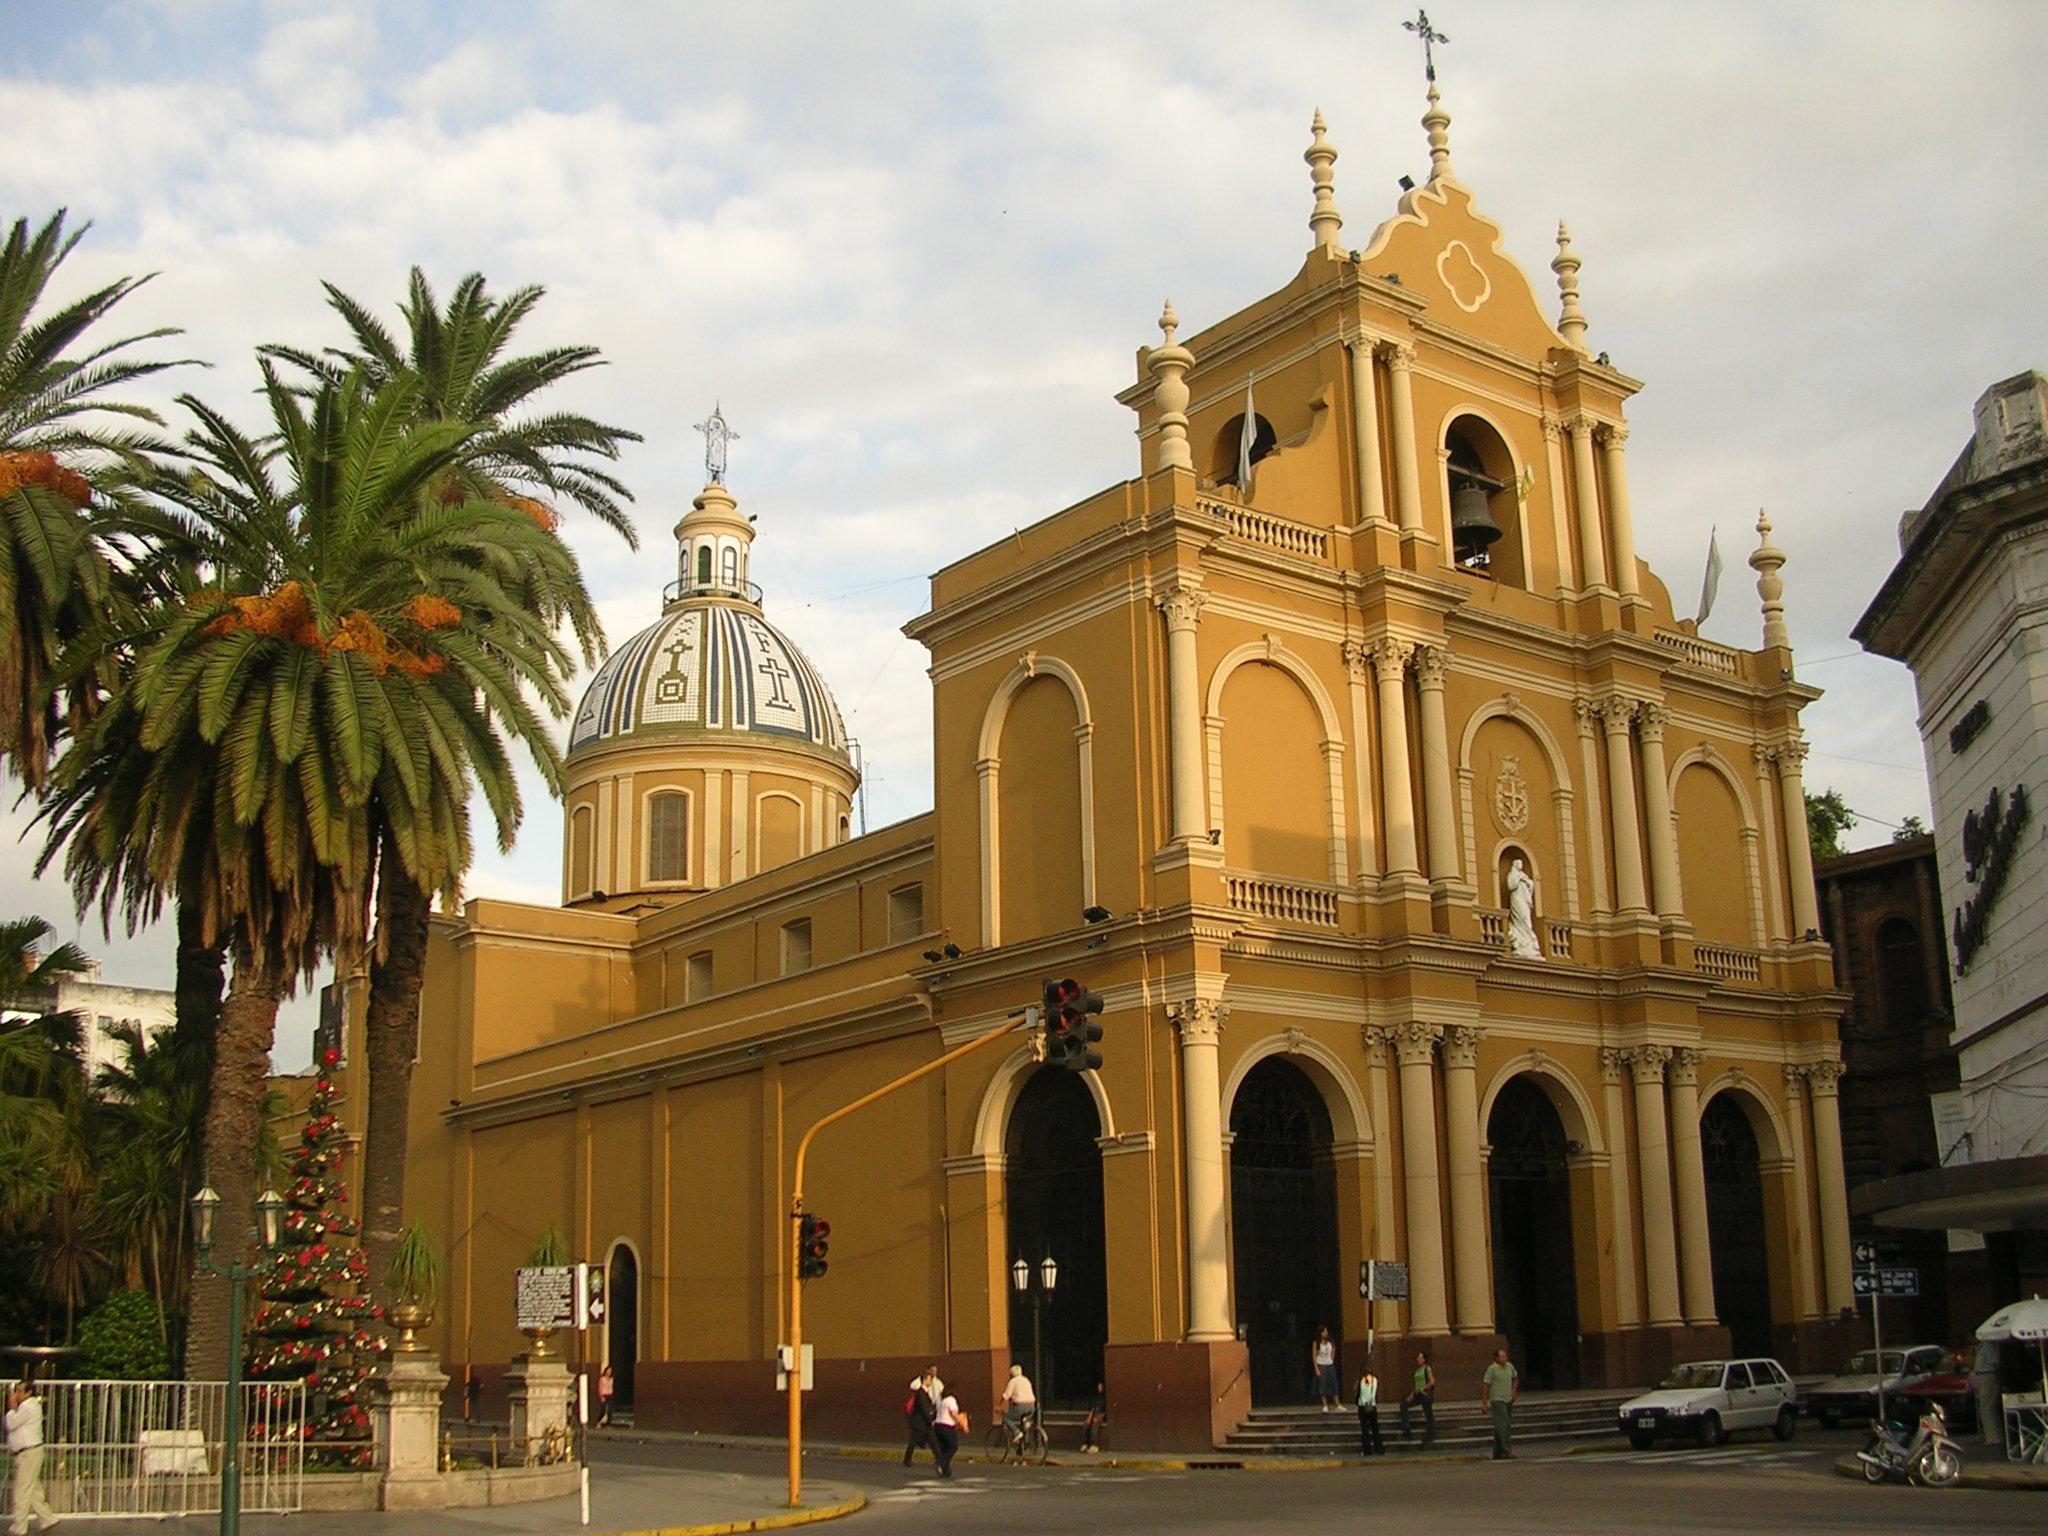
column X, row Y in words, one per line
column 1749, row 1486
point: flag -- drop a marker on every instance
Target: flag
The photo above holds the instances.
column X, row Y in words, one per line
column 1712, row 583
column 1245, row 440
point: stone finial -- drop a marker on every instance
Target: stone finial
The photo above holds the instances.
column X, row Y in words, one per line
column 1169, row 363
column 1571, row 323
column 1324, row 221
column 1438, row 124
column 1766, row 560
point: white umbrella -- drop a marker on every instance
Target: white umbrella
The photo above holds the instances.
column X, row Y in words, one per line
column 2026, row 1321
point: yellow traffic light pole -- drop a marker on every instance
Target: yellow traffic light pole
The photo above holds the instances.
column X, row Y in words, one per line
column 795, row 1376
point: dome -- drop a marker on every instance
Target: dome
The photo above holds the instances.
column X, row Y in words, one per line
column 709, row 666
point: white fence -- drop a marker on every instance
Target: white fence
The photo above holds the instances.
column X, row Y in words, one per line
column 115, row 1448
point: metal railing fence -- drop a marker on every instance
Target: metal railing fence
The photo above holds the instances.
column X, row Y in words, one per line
column 126, row 1448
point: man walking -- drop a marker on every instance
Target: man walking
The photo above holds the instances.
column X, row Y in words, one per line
column 25, row 1446
column 1498, row 1389
column 1369, row 1441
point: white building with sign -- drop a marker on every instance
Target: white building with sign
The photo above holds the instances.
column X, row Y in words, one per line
column 1967, row 609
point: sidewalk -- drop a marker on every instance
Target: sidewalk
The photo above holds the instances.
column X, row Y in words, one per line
column 1977, row 1473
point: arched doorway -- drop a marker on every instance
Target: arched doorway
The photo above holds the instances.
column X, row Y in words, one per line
column 1735, row 1224
column 622, row 1322
column 1053, row 1197
column 1283, row 1214
column 1535, row 1287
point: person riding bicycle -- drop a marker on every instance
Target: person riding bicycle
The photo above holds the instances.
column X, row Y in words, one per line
column 1019, row 1401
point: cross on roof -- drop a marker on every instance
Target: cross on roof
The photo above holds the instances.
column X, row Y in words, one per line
column 1421, row 28
column 716, row 436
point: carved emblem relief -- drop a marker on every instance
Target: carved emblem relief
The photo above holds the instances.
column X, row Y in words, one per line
column 1511, row 796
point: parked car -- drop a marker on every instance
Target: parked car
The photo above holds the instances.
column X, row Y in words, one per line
column 1707, row 1400
column 1949, row 1385
column 1853, row 1394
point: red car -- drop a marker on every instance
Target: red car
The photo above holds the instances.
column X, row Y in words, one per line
column 1948, row 1385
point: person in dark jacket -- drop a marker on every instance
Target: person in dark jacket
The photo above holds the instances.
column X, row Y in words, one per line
column 918, row 1409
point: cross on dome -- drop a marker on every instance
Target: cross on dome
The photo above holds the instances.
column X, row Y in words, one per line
column 1429, row 36
column 716, row 437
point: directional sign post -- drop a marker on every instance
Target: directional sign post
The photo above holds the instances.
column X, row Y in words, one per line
column 1879, row 1274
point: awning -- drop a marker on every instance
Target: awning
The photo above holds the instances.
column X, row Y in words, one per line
column 2007, row 1194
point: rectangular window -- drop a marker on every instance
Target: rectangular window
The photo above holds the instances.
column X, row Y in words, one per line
column 906, row 913
column 796, row 946
column 697, row 977
column 668, row 836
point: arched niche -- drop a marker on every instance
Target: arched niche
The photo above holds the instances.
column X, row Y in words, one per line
column 1273, row 652
column 1565, row 1092
column 1552, row 781
column 989, row 772
column 1710, row 804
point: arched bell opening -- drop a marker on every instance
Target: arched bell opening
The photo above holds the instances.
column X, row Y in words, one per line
column 1736, row 1226
column 1052, row 1195
column 1224, row 458
column 1535, row 1287
column 1485, row 506
column 1283, row 1213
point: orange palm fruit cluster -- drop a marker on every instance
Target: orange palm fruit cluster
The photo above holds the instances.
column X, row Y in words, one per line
column 24, row 467
column 286, row 615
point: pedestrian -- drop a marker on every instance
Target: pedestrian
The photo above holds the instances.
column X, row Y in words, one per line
column 25, row 1446
column 1018, row 1400
column 947, row 1423
column 607, row 1384
column 472, row 1389
column 1498, row 1389
column 918, row 1409
column 1423, row 1396
column 1369, row 1441
column 1322, row 1358
column 1098, row 1415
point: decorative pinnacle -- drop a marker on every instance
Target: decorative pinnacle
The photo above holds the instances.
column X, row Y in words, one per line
column 1169, row 322
column 717, row 435
column 1767, row 560
column 1438, row 123
column 1325, row 221
column 1168, row 364
column 1571, row 322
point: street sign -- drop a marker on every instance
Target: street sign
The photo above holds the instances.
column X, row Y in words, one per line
column 1885, row 1282
column 545, row 1298
column 1872, row 1252
column 1383, row 1280
column 782, row 1369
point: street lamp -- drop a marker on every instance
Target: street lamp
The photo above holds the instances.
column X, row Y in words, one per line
column 1048, row 1281
column 270, row 1233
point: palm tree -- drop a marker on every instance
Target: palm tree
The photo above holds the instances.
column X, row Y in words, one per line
column 56, row 462
column 456, row 360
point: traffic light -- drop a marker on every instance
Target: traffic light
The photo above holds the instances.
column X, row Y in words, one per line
column 811, row 1246
column 1071, row 1029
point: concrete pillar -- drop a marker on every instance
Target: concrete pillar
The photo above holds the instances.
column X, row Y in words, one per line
column 539, row 1394
column 1689, row 1181
column 1653, row 1157
column 1358, row 674
column 1472, row 1284
column 1390, row 663
column 405, row 1409
column 1612, row 439
column 1664, row 883
column 1385, row 1313
column 1822, row 1083
column 1628, row 1303
column 1201, row 1024
column 1615, row 714
column 1586, row 485
column 1401, row 428
column 1414, row 1047
column 1183, row 609
column 1365, row 426
column 1764, row 758
column 1553, row 462
column 1798, row 845
column 1587, row 712
column 1437, row 815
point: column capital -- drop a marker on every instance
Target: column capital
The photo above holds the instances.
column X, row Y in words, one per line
column 1792, row 756
column 1646, row 1062
column 1823, row 1078
column 1613, row 1064
column 1415, row 1043
column 1200, row 1019
column 1650, row 718
column 1182, row 604
column 1553, row 428
column 1390, row 655
column 1685, row 1066
column 1357, row 661
column 1430, row 665
column 1580, row 425
column 1461, row 1046
column 1400, row 355
column 1364, row 341
column 1616, row 710
column 1763, row 756
column 1586, row 711
column 1613, row 434
column 1377, row 1038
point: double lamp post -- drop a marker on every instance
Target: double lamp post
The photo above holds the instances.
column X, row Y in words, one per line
column 1048, row 1282
column 270, row 1233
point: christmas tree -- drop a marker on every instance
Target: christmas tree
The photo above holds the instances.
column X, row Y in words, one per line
column 312, row 1320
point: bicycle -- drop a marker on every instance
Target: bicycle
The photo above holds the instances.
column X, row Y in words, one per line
column 1027, row 1443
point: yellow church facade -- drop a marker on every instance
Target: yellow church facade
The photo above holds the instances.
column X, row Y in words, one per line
column 1449, row 896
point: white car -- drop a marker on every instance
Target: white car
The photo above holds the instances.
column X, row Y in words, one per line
column 1707, row 1400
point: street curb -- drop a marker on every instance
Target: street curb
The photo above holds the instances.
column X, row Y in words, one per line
column 787, row 1520
column 1846, row 1465
column 1218, row 1461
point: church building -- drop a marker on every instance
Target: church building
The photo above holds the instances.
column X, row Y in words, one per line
column 1451, row 900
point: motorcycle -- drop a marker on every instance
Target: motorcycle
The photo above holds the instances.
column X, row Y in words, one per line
column 1930, row 1459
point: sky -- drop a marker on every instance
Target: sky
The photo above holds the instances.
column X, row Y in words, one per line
column 911, row 250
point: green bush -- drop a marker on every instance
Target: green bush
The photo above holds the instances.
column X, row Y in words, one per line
column 118, row 1341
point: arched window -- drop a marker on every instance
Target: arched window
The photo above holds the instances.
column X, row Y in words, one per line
column 703, row 565
column 1485, row 512
column 1230, row 443
column 1901, row 974
column 668, row 836
column 729, row 566
column 582, row 851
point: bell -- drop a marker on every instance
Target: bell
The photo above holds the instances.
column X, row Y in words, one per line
column 1473, row 529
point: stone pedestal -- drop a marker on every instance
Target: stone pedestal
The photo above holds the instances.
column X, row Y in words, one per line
column 406, row 1406
column 539, row 1393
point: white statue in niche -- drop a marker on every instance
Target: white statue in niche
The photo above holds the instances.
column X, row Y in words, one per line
column 1522, row 938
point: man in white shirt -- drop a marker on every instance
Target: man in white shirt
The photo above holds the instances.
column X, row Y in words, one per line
column 25, row 1446
column 1019, row 1399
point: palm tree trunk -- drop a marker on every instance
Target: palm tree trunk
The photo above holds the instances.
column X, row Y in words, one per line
column 234, row 1117
column 391, row 1035
column 202, row 972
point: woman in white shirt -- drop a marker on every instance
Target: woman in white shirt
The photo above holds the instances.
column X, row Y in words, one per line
column 1323, row 1359
column 946, row 1425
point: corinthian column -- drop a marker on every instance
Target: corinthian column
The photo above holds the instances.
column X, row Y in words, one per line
column 1798, row 847
column 1401, row 428
column 1615, row 714
column 1612, row 439
column 1437, row 814
column 1592, row 548
column 1201, row 1022
column 1414, row 1045
column 1628, row 1310
column 1468, row 1190
column 1653, row 1158
column 1182, row 606
column 1822, row 1080
column 1390, row 662
column 1664, row 886
column 1365, row 423
column 1358, row 674
column 1689, row 1175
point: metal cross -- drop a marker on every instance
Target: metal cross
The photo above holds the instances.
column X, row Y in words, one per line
column 716, row 435
column 1421, row 28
